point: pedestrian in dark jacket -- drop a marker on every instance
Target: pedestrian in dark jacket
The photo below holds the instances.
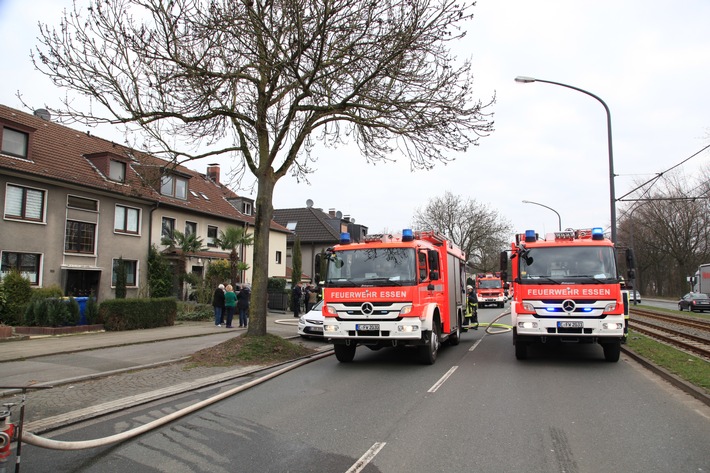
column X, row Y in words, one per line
column 218, row 305
column 243, row 305
column 296, row 295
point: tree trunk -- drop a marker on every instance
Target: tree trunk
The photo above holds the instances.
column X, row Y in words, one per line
column 260, row 266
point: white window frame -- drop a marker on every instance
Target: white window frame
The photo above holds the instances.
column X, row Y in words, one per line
column 126, row 212
column 23, row 204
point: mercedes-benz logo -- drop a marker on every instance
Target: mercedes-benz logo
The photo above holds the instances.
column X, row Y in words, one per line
column 568, row 305
column 367, row 308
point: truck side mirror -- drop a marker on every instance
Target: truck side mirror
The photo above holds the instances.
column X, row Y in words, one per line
column 434, row 275
column 503, row 260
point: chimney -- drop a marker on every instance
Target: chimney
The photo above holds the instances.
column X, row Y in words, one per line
column 213, row 172
column 331, row 213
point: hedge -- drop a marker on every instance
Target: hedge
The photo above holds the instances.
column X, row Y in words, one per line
column 132, row 314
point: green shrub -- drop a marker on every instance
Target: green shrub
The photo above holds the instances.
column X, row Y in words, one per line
column 17, row 293
column 192, row 312
column 131, row 314
column 91, row 311
column 276, row 285
column 160, row 276
column 52, row 312
column 47, row 292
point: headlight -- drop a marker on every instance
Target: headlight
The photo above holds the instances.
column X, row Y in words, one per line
column 527, row 325
column 407, row 328
column 330, row 328
column 612, row 326
column 528, row 307
column 405, row 310
column 610, row 307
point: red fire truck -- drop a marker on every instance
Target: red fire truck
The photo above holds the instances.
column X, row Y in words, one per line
column 490, row 290
column 393, row 290
column 566, row 289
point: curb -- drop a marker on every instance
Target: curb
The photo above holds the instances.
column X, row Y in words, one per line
column 679, row 383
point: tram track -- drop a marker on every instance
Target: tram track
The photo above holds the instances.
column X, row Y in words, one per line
column 690, row 335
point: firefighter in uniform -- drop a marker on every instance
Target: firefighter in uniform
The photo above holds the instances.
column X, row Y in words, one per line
column 471, row 308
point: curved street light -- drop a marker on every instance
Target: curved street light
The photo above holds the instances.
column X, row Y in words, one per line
column 612, row 193
column 559, row 219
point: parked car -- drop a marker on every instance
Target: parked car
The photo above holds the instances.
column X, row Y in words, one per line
column 695, row 302
column 311, row 323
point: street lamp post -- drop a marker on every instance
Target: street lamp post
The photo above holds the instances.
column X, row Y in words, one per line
column 559, row 219
column 612, row 193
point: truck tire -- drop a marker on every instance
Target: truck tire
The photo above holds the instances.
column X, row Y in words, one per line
column 344, row 353
column 428, row 351
column 455, row 338
column 612, row 351
column 521, row 350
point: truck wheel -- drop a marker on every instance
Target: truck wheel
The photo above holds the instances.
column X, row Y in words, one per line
column 612, row 351
column 455, row 338
column 344, row 353
column 427, row 352
column 521, row 350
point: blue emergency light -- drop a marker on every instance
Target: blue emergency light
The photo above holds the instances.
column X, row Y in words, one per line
column 530, row 235
column 597, row 233
column 407, row 234
column 344, row 238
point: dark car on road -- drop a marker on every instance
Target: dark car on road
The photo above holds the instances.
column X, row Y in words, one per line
column 695, row 302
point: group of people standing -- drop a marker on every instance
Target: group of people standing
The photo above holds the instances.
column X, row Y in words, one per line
column 307, row 296
column 226, row 301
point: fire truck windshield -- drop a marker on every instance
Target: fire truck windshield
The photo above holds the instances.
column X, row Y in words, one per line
column 489, row 284
column 372, row 267
column 565, row 263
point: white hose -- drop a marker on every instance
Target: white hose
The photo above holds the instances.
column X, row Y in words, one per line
column 36, row 440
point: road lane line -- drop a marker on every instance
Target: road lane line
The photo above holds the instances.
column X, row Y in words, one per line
column 442, row 380
column 366, row 458
column 473, row 347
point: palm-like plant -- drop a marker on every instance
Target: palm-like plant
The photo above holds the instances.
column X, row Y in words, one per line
column 230, row 239
column 187, row 244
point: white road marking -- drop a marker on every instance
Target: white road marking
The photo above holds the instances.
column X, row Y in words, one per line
column 473, row 347
column 366, row 458
column 442, row 379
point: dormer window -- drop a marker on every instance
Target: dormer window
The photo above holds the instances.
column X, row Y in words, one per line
column 117, row 171
column 174, row 187
column 247, row 208
column 14, row 142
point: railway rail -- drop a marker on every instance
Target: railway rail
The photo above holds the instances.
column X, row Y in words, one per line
column 687, row 333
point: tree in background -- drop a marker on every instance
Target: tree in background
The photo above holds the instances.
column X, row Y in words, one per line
column 121, row 277
column 160, row 276
column 479, row 231
column 184, row 245
column 668, row 229
column 296, row 262
column 261, row 81
column 229, row 240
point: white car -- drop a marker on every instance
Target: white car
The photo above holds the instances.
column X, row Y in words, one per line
column 311, row 323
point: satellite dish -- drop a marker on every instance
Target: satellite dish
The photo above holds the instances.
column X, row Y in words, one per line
column 338, row 214
column 43, row 113
column 309, row 203
column 352, row 220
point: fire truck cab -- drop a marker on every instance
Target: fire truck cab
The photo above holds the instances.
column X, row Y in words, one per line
column 393, row 290
column 566, row 289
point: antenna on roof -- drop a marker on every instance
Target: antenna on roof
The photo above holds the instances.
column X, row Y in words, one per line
column 309, row 203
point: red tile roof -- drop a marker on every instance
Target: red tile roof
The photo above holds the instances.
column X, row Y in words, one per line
column 63, row 154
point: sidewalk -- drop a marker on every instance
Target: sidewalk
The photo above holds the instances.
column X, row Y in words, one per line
column 117, row 383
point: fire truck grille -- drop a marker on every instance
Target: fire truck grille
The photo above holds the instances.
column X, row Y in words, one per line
column 579, row 331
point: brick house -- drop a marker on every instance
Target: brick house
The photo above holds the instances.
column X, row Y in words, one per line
column 74, row 203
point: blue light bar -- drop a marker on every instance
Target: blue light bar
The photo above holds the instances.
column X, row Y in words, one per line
column 344, row 238
column 530, row 235
column 407, row 234
column 597, row 233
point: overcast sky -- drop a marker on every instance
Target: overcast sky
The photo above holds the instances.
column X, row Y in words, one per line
column 648, row 60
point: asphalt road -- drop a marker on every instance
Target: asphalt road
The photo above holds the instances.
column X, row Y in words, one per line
column 476, row 409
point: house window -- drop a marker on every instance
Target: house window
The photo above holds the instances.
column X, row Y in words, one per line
column 81, row 203
column 131, row 272
column 126, row 220
column 168, row 228
column 190, row 228
column 14, row 143
column 26, row 263
column 247, row 208
column 174, row 187
column 211, row 236
column 292, row 226
column 24, row 203
column 80, row 237
column 117, row 171
column 278, row 257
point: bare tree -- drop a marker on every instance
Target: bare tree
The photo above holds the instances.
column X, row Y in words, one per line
column 472, row 226
column 262, row 80
column 668, row 229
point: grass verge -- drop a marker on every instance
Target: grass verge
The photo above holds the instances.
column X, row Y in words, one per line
column 688, row 367
column 250, row 350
